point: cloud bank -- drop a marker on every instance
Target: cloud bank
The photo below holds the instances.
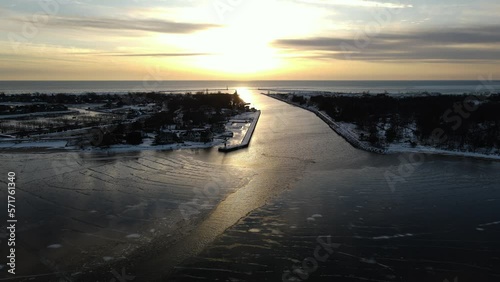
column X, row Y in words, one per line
column 449, row 44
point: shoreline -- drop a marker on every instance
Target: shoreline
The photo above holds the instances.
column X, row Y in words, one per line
column 356, row 143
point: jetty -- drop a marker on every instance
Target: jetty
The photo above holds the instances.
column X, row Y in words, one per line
column 246, row 140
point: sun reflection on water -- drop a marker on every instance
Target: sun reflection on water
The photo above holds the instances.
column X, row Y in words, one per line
column 246, row 95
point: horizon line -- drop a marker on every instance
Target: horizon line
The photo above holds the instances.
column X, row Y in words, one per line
column 237, row 80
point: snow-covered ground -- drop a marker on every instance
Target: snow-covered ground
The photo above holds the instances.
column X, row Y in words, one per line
column 34, row 145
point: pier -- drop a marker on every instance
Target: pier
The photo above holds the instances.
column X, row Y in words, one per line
column 246, row 140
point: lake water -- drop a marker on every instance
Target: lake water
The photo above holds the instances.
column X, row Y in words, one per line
column 480, row 85
column 256, row 214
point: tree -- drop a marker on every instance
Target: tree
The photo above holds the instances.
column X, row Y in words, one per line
column 373, row 138
column 134, row 138
column 391, row 134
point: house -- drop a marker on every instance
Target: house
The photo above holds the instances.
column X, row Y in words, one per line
column 198, row 135
column 218, row 127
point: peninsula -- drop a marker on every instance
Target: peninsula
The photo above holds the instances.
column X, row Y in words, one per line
column 122, row 122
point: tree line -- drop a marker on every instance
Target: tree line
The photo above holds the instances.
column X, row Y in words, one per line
column 463, row 122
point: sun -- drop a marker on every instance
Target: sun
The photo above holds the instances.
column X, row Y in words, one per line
column 239, row 49
column 241, row 58
column 244, row 43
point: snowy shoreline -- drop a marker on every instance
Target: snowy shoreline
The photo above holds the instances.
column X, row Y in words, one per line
column 343, row 130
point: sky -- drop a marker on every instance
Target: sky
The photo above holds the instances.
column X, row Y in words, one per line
column 249, row 39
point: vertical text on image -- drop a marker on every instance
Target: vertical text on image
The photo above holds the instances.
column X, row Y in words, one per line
column 11, row 222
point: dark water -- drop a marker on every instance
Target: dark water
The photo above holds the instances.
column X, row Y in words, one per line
column 441, row 223
column 261, row 211
column 480, row 85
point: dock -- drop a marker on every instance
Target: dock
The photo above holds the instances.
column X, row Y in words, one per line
column 246, row 140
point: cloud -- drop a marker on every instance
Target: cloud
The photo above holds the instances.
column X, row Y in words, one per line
column 451, row 44
column 161, row 55
column 128, row 24
column 358, row 3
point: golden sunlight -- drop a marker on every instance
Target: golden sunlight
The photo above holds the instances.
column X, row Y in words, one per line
column 245, row 95
column 243, row 43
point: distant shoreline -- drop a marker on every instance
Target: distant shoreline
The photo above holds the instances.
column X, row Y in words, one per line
column 352, row 139
column 344, row 86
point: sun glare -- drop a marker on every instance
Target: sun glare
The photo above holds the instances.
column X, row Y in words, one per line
column 242, row 45
column 245, row 95
column 241, row 60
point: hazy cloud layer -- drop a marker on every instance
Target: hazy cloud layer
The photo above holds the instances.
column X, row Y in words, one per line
column 308, row 39
column 358, row 3
column 149, row 25
column 474, row 43
column 161, row 55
